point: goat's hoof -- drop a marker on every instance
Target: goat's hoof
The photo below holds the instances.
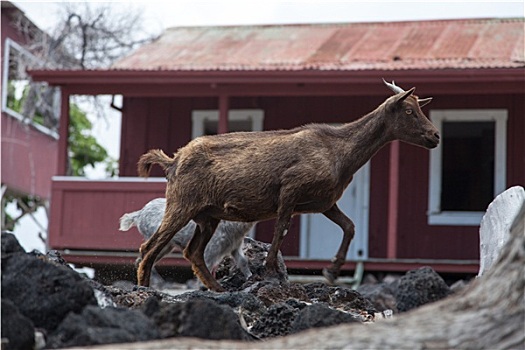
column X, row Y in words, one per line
column 329, row 275
column 214, row 287
column 218, row 289
column 138, row 288
column 142, row 282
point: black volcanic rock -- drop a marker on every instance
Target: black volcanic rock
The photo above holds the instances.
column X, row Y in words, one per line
column 277, row 321
column 197, row 317
column 44, row 292
column 381, row 295
column 102, row 326
column 16, row 328
column 419, row 287
column 340, row 297
column 41, row 291
column 320, row 315
column 10, row 244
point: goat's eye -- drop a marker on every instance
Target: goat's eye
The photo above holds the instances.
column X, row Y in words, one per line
column 408, row 111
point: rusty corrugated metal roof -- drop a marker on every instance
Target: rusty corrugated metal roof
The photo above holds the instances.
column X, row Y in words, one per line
column 472, row 43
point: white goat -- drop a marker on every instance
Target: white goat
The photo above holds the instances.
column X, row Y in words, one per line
column 227, row 240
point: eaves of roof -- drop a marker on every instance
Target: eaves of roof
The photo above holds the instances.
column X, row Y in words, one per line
column 257, row 83
column 120, row 76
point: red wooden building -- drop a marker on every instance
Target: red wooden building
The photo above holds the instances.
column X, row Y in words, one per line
column 29, row 150
column 410, row 206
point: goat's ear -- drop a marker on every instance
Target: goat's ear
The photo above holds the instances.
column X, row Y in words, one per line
column 424, row 101
column 401, row 97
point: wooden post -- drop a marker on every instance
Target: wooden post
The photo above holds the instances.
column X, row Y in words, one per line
column 393, row 201
column 224, row 106
column 63, row 133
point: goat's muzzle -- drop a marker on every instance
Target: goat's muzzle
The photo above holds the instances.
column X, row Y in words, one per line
column 432, row 140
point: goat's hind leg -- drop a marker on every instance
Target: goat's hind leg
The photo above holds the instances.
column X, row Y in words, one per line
column 281, row 228
column 155, row 277
column 337, row 216
column 194, row 252
column 155, row 247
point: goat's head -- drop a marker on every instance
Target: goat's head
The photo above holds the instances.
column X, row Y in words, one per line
column 408, row 122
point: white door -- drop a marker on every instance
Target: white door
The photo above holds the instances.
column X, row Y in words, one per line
column 321, row 238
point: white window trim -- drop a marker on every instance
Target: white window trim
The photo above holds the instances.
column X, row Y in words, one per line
column 198, row 117
column 463, row 218
column 8, row 46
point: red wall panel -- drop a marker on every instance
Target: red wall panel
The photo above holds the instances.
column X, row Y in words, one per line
column 417, row 239
column 85, row 214
column 166, row 123
column 29, row 158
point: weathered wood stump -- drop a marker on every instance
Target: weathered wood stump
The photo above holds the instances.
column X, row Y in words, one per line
column 494, row 229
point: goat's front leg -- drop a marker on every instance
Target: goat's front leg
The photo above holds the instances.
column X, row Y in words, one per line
column 337, row 216
column 194, row 252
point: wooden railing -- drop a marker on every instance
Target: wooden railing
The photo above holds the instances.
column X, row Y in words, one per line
column 84, row 221
column 84, row 214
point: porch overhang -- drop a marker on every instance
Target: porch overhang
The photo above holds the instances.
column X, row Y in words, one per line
column 224, row 84
column 281, row 82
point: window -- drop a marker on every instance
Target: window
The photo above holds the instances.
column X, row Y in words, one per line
column 468, row 168
column 29, row 102
column 205, row 122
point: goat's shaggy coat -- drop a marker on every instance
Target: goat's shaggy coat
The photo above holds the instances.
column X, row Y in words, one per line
column 254, row 176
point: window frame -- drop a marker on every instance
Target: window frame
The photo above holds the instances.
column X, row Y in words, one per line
column 13, row 45
column 199, row 117
column 438, row 117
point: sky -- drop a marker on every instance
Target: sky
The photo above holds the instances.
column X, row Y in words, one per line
column 159, row 15
column 165, row 14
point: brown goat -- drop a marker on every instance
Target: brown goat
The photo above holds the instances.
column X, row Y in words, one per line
column 255, row 176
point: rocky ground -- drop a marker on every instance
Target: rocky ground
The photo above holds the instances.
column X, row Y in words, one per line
column 46, row 304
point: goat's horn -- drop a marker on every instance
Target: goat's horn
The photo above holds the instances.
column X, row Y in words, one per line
column 393, row 87
column 424, row 101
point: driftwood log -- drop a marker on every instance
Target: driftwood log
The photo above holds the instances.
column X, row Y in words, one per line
column 488, row 314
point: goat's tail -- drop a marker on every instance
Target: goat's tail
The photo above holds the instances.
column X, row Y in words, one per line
column 127, row 221
column 154, row 156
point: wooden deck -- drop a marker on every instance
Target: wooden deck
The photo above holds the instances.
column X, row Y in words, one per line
column 85, row 219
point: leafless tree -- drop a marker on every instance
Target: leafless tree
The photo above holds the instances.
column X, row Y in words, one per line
column 94, row 36
column 87, row 35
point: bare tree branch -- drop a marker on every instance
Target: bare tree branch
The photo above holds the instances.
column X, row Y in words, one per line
column 88, row 36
